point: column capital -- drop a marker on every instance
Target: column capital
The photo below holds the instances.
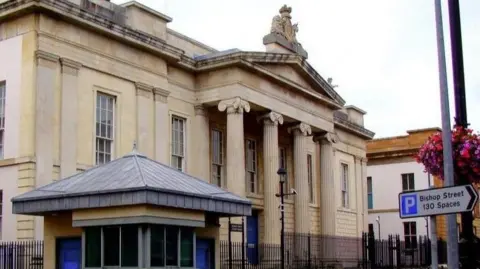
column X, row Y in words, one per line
column 272, row 117
column 70, row 66
column 234, row 105
column 301, row 129
column 144, row 89
column 160, row 94
column 46, row 59
column 200, row 110
column 329, row 138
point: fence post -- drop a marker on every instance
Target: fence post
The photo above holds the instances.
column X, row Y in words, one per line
column 398, row 249
column 309, row 251
column 243, row 243
column 230, row 262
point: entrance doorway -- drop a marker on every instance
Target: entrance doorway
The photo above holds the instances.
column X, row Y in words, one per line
column 205, row 254
column 69, row 253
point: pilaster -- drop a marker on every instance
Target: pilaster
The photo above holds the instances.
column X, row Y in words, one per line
column 202, row 143
column 145, row 119
column 161, row 125
column 68, row 117
column 301, row 132
column 360, row 192
column 271, row 179
column 363, row 165
column 46, row 71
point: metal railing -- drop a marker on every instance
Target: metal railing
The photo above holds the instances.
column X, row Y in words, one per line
column 21, row 255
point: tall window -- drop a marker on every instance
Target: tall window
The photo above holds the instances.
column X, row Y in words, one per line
column 178, row 143
column 251, row 165
column 217, row 157
column 408, row 182
column 282, row 163
column 410, row 232
column 370, row 192
column 2, row 117
column 344, row 173
column 105, row 128
column 169, row 246
column 311, row 194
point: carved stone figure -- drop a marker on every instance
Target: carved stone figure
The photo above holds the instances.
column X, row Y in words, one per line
column 282, row 25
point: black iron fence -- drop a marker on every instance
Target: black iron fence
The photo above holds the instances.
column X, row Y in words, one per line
column 21, row 255
column 305, row 251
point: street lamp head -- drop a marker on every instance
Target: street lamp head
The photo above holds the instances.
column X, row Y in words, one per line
column 282, row 173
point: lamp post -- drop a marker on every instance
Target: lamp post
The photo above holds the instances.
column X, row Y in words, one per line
column 282, row 174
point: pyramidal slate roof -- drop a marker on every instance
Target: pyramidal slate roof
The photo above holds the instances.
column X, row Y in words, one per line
column 130, row 180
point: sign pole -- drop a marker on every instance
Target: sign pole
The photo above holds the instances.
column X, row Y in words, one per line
column 433, row 240
column 452, row 245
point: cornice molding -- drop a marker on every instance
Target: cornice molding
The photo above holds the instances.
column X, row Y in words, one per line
column 43, row 55
column 200, row 110
column 160, row 94
column 70, row 63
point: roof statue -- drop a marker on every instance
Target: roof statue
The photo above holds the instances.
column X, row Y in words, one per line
column 284, row 33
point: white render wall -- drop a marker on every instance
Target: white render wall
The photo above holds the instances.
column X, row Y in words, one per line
column 386, row 185
column 10, row 71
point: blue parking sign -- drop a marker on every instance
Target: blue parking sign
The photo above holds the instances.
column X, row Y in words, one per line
column 409, row 205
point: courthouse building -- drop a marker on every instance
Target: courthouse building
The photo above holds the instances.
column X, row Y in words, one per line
column 83, row 80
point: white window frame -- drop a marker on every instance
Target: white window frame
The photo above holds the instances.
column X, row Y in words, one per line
column 217, row 163
column 344, row 185
column 407, row 177
column 174, row 154
column 98, row 136
column 369, row 191
column 311, row 189
column 251, row 167
column 3, row 97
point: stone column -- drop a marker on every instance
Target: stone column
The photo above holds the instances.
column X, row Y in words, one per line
column 235, row 143
column 68, row 117
column 271, row 179
column 328, row 197
column 301, row 133
column 161, row 125
column 46, row 70
column 145, row 119
column 201, row 146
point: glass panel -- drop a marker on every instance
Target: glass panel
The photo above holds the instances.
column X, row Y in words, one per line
column 186, row 248
column 411, row 182
column 130, row 246
column 369, row 184
column 92, row 247
column 111, row 238
column 157, row 246
column 172, row 246
column 404, row 182
column 370, row 201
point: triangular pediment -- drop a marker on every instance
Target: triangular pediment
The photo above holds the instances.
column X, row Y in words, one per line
column 304, row 76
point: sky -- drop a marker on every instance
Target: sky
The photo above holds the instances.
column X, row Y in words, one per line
column 381, row 54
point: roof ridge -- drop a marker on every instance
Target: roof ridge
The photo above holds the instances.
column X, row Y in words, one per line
column 137, row 165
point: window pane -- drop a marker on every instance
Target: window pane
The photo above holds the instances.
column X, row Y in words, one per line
column 186, row 248
column 369, row 184
column 111, row 238
column 92, row 247
column 404, row 182
column 411, row 182
column 172, row 246
column 130, row 245
column 157, row 246
column 370, row 201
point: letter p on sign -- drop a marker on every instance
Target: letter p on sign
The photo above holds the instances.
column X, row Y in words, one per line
column 409, row 205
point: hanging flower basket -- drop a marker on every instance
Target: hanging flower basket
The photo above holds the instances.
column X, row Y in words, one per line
column 465, row 150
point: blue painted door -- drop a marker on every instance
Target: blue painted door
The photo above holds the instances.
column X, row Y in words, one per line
column 69, row 253
column 252, row 239
column 203, row 254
